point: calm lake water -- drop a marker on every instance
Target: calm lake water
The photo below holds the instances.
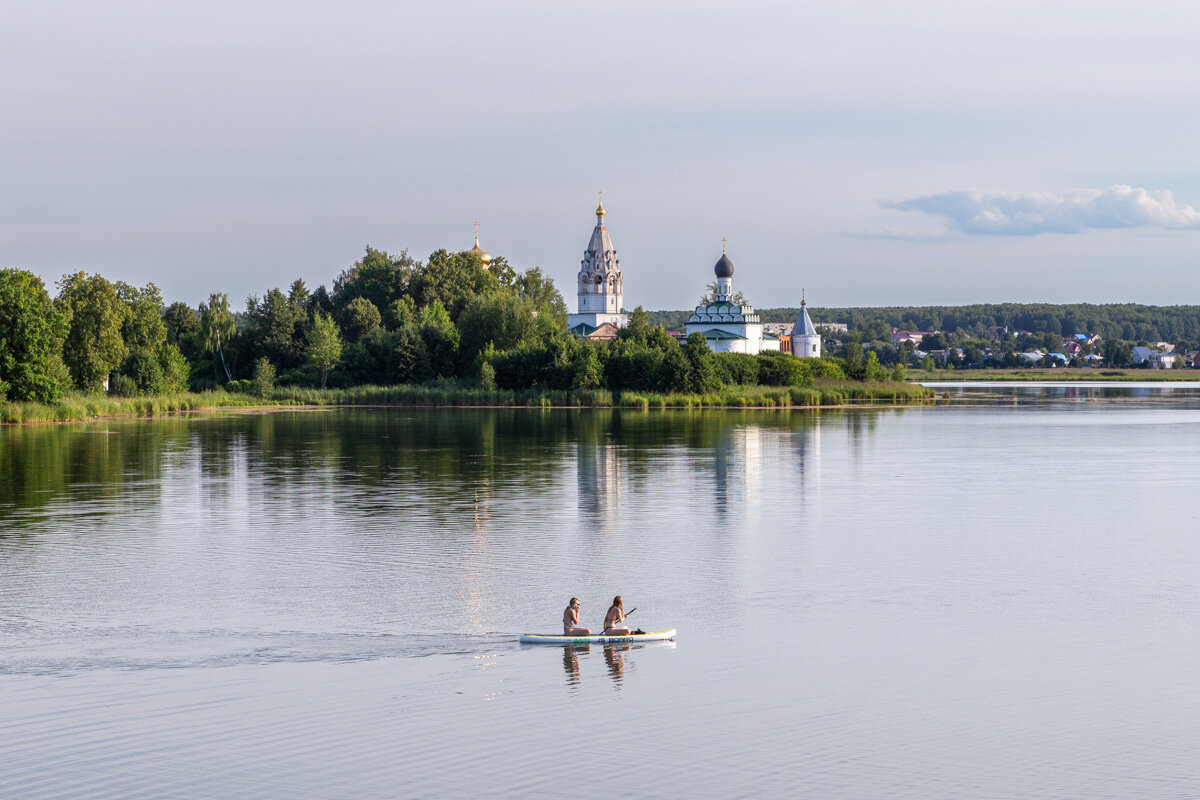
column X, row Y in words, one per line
column 992, row 600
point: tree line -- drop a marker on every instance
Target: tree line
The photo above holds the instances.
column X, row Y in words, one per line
column 1128, row 321
column 386, row 319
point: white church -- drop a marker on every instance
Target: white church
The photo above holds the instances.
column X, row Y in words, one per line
column 727, row 326
column 730, row 327
column 601, row 292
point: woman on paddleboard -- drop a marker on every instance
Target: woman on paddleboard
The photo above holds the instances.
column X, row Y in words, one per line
column 571, row 620
column 614, row 618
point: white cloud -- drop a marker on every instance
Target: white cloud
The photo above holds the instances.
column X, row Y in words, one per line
column 1031, row 213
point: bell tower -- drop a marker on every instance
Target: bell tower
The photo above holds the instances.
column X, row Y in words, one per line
column 600, row 288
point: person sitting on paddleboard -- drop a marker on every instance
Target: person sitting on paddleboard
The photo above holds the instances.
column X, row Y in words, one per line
column 571, row 620
column 614, row 618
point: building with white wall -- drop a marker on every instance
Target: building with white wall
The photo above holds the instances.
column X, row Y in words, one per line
column 600, row 289
column 730, row 327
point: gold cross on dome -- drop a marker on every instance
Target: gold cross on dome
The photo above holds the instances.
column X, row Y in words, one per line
column 722, row 245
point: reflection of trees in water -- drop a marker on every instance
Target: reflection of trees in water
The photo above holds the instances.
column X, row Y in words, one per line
column 859, row 423
column 384, row 462
column 84, row 464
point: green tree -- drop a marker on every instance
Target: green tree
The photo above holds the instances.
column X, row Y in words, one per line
column 411, row 356
column 487, row 376
column 32, row 330
column 144, row 368
column 377, row 276
column 702, row 374
column 502, row 270
column 181, row 321
column 1117, row 353
column 782, row 369
column 499, row 319
column 217, row 325
column 539, row 289
column 401, row 312
column 852, row 354
column 736, row 369
column 440, row 336
column 175, row 369
column 264, row 377
column 638, row 327
column 144, row 327
column 358, row 318
column 452, row 279
column 299, row 296
column 94, row 346
column 324, row 347
column 271, row 328
column 587, row 371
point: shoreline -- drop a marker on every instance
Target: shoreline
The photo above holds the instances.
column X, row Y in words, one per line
column 838, row 394
column 1061, row 374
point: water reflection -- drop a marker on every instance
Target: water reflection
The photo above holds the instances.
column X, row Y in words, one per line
column 599, row 478
column 614, row 659
column 373, row 461
column 1176, row 393
column 617, row 661
column 571, row 663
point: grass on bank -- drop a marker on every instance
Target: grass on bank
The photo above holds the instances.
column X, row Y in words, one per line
column 1055, row 374
column 79, row 408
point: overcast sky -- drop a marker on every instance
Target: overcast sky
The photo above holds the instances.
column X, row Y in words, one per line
column 872, row 153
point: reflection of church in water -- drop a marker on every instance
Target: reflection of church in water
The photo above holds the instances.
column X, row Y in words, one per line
column 739, row 464
column 599, row 471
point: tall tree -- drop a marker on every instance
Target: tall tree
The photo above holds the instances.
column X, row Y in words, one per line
column 541, row 291
column 94, row 345
column 701, row 373
column 499, row 319
column 453, row 279
column 217, row 326
column 144, row 326
column 32, row 330
column 181, row 321
column 271, row 328
column 377, row 276
column 358, row 318
column 440, row 336
column 324, row 346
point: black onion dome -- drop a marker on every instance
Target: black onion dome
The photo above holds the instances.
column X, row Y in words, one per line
column 724, row 267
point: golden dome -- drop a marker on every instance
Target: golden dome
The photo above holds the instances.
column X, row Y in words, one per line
column 600, row 208
column 479, row 251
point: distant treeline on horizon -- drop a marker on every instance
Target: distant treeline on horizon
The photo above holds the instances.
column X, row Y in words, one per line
column 1130, row 321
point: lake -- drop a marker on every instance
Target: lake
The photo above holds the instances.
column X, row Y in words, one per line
column 992, row 599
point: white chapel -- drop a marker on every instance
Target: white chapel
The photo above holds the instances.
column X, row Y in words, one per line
column 730, row 327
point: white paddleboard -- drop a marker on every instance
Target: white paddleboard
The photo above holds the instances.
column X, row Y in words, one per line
column 596, row 638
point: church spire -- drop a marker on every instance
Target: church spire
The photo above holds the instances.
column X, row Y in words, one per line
column 479, row 251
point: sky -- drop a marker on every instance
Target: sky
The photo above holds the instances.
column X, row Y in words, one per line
column 865, row 153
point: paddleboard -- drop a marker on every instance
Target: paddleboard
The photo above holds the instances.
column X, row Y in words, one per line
column 596, row 638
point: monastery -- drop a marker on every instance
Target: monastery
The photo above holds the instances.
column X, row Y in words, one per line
column 727, row 326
